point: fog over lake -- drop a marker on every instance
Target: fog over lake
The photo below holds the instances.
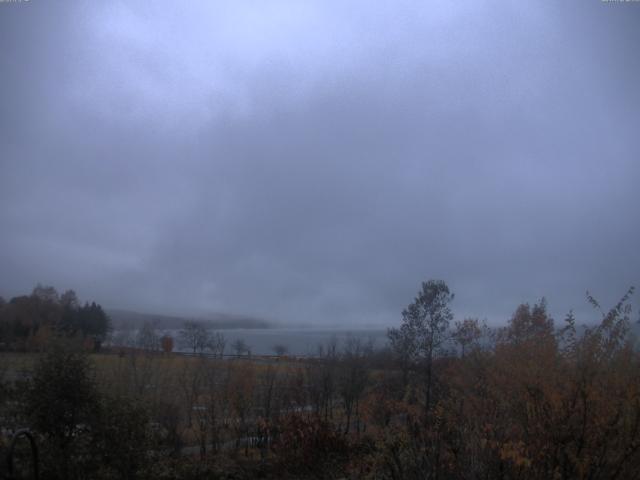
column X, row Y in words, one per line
column 298, row 341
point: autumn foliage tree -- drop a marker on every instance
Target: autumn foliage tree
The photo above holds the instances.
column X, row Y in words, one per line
column 546, row 403
column 166, row 342
column 30, row 322
column 424, row 329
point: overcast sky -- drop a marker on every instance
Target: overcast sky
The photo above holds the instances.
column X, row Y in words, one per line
column 313, row 162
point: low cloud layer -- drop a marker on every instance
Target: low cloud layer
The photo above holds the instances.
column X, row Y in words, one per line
column 314, row 162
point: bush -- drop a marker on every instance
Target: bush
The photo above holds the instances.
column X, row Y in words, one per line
column 308, row 445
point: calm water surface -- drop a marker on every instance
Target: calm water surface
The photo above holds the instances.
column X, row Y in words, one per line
column 297, row 341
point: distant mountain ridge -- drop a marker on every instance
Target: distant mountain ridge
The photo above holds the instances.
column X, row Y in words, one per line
column 130, row 320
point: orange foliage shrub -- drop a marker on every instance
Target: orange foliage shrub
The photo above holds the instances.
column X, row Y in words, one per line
column 166, row 343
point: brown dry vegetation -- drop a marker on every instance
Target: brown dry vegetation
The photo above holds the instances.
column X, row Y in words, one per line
column 531, row 401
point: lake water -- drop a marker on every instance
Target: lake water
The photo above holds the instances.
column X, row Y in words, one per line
column 297, row 341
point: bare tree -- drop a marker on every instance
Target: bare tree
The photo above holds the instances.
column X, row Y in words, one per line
column 194, row 336
column 240, row 347
column 404, row 351
column 322, row 375
column 45, row 293
column 147, row 338
column 353, row 378
column 467, row 334
column 280, row 349
column 241, row 398
column 188, row 381
column 217, row 344
column 214, row 402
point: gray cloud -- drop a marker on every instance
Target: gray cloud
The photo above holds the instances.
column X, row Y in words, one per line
column 313, row 163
